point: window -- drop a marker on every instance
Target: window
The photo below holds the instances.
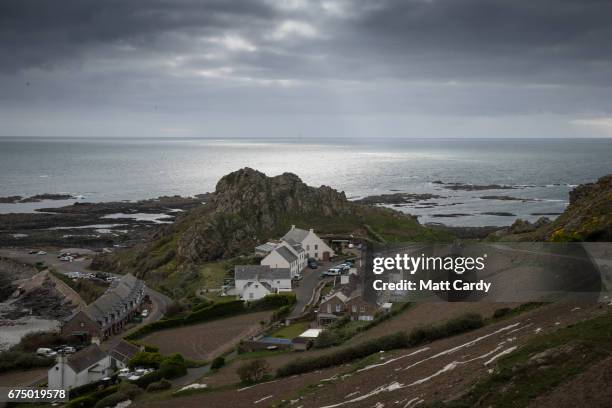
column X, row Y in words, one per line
column 338, row 307
column 316, row 255
column 308, row 247
column 251, row 296
column 354, row 309
column 362, row 308
column 316, row 247
column 328, row 308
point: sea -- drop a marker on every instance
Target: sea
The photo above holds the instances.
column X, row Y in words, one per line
column 542, row 171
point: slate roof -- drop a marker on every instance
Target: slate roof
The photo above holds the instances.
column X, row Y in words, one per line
column 267, row 247
column 116, row 300
column 124, row 351
column 295, row 236
column 286, row 254
column 86, row 358
column 249, row 272
column 264, row 284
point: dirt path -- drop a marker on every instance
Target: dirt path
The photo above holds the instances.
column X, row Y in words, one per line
column 403, row 378
column 205, row 341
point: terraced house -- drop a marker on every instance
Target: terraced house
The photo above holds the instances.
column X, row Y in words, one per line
column 108, row 314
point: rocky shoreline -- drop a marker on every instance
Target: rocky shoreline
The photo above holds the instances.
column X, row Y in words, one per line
column 94, row 225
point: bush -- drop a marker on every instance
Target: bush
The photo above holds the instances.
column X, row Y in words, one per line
column 13, row 360
column 253, row 371
column 501, row 312
column 175, row 308
column 173, row 366
column 145, row 359
column 398, row 340
column 385, row 343
column 159, row 386
column 126, row 392
column 81, row 402
column 217, row 363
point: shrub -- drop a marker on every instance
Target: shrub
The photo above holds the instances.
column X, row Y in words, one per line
column 501, row 312
column 81, row 402
column 126, row 391
column 12, row 360
column 173, row 366
column 159, row 386
column 397, row 340
column 253, row 371
column 385, row 343
column 146, row 359
column 175, row 308
column 217, row 363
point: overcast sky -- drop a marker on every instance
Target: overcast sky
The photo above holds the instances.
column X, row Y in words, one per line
column 410, row 68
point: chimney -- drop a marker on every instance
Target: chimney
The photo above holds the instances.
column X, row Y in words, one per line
column 95, row 340
column 311, row 230
column 293, row 226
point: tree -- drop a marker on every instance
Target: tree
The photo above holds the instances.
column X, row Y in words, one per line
column 253, row 371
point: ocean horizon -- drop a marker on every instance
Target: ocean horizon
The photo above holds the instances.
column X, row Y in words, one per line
column 541, row 172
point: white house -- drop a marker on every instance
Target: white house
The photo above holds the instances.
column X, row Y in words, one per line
column 314, row 246
column 256, row 289
column 86, row 366
column 285, row 256
column 260, row 280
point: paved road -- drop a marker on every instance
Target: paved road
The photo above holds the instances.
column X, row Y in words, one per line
column 307, row 285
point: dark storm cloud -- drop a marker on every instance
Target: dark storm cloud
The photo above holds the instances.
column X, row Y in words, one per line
column 494, row 58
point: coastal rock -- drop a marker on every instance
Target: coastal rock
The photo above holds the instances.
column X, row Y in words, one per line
column 47, row 196
column 396, row 198
column 10, row 199
column 247, row 206
column 473, row 187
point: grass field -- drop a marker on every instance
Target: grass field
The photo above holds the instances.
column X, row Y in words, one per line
column 291, row 331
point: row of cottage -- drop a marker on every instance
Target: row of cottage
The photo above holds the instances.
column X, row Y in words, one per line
column 108, row 314
column 282, row 261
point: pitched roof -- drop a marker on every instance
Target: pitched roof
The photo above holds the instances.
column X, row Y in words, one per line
column 264, row 284
column 124, row 351
column 116, row 298
column 86, row 358
column 267, row 247
column 249, row 272
column 286, row 254
column 295, row 236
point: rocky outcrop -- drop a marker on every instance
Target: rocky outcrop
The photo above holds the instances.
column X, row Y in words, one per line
column 247, row 207
column 587, row 218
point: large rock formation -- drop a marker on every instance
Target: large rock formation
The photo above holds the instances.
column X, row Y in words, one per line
column 248, row 207
column 587, row 218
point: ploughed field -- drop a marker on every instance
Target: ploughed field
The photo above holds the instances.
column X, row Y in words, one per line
column 409, row 377
column 205, row 341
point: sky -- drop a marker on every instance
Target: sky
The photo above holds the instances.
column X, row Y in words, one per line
column 310, row 69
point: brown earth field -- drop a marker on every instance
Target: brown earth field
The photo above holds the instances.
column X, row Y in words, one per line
column 205, row 341
column 441, row 370
column 23, row 378
column 416, row 315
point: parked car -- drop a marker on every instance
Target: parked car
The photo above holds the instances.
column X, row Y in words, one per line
column 41, row 253
column 66, row 259
column 312, row 263
column 145, row 313
column 298, row 277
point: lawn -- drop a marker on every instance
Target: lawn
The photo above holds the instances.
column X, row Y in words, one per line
column 291, row 331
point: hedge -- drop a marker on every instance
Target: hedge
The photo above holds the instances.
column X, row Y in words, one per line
column 216, row 311
column 397, row 340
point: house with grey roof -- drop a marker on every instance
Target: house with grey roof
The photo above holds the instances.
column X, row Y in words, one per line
column 85, row 366
column 108, row 314
column 256, row 281
column 313, row 246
